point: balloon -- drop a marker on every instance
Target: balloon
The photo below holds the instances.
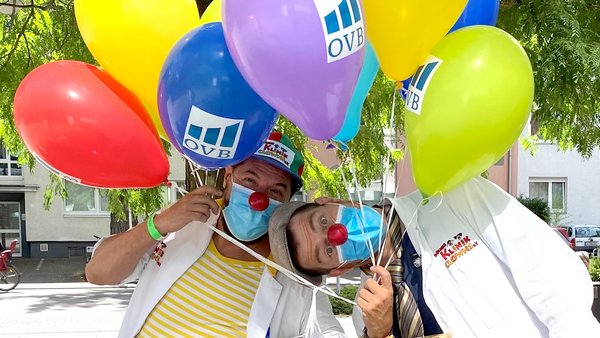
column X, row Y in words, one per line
column 478, row 12
column 403, row 32
column 466, row 105
column 212, row 13
column 131, row 39
column 302, row 56
column 82, row 124
column 404, row 89
column 365, row 82
column 210, row 113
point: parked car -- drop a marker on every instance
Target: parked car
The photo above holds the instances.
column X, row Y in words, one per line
column 562, row 232
column 583, row 237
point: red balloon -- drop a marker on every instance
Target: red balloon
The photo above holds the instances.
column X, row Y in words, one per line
column 80, row 122
column 258, row 201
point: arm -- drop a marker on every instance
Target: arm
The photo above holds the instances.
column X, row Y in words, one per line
column 540, row 263
column 329, row 325
column 117, row 256
column 376, row 303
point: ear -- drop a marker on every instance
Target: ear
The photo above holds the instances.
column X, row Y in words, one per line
column 338, row 272
column 227, row 176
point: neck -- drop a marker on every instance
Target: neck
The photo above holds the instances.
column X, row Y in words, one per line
column 230, row 250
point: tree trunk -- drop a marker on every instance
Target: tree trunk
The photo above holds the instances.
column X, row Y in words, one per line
column 117, row 227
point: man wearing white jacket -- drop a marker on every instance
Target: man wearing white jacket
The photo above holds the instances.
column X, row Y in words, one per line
column 193, row 282
column 492, row 268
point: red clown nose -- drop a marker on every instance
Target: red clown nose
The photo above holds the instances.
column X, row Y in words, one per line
column 337, row 234
column 258, row 201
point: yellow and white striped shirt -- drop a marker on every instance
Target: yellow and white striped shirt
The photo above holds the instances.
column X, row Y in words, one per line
column 212, row 298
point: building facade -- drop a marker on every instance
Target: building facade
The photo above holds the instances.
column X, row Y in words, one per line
column 69, row 226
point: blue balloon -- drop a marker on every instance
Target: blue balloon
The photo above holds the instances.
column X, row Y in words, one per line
column 365, row 82
column 478, row 12
column 210, row 114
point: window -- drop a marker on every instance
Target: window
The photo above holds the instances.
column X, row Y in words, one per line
column 85, row 200
column 551, row 191
column 8, row 164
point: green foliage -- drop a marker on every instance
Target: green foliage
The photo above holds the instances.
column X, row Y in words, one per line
column 537, row 205
column 367, row 152
column 341, row 307
column 38, row 34
column 594, row 269
column 562, row 39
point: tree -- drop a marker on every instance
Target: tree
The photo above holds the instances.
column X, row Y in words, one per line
column 561, row 38
column 537, row 205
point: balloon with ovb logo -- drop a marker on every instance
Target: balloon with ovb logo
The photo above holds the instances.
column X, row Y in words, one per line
column 302, row 56
column 209, row 112
column 466, row 105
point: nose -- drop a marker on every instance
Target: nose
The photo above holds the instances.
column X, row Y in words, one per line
column 258, row 201
column 337, row 234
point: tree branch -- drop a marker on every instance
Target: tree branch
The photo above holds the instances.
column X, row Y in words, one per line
column 15, row 5
column 18, row 39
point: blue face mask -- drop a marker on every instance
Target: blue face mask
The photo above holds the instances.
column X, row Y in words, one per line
column 360, row 230
column 245, row 223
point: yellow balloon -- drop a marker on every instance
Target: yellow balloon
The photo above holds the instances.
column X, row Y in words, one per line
column 131, row 39
column 212, row 13
column 403, row 32
column 466, row 105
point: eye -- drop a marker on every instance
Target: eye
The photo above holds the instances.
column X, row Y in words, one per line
column 249, row 180
column 275, row 194
column 329, row 251
column 323, row 221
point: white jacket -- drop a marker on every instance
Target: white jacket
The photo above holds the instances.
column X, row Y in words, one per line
column 281, row 306
column 491, row 268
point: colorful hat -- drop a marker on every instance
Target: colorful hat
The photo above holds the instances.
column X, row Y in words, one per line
column 279, row 151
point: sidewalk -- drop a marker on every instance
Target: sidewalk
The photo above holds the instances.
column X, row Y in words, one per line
column 50, row 270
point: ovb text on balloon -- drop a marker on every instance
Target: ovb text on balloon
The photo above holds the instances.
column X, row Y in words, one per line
column 418, row 85
column 211, row 135
column 343, row 26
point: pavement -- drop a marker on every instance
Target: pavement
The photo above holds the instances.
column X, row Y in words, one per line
column 50, row 270
column 53, row 300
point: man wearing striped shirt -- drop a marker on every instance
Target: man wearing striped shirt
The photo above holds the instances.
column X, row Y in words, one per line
column 194, row 283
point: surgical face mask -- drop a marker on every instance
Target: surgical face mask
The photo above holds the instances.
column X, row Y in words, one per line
column 361, row 232
column 245, row 222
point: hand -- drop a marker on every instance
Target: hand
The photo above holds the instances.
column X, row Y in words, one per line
column 195, row 206
column 376, row 300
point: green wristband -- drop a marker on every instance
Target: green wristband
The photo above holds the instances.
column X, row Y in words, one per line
column 152, row 230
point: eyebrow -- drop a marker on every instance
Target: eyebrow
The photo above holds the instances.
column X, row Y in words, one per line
column 312, row 215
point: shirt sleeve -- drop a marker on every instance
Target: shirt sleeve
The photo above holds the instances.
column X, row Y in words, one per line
column 549, row 276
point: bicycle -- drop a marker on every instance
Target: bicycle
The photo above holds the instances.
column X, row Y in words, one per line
column 9, row 275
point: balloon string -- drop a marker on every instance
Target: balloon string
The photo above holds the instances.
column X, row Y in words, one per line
column 299, row 279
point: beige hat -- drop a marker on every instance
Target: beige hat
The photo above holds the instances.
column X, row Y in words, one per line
column 280, row 249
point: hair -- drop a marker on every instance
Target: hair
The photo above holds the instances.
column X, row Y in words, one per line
column 294, row 244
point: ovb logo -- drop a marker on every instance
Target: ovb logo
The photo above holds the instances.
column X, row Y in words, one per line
column 212, row 136
column 418, row 85
column 343, row 27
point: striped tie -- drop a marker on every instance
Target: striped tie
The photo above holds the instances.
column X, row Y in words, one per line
column 407, row 312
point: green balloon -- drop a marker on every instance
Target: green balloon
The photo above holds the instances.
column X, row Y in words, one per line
column 466, row 105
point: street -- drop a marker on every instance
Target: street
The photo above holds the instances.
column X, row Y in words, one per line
column 70, row 310
column 63, row 310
